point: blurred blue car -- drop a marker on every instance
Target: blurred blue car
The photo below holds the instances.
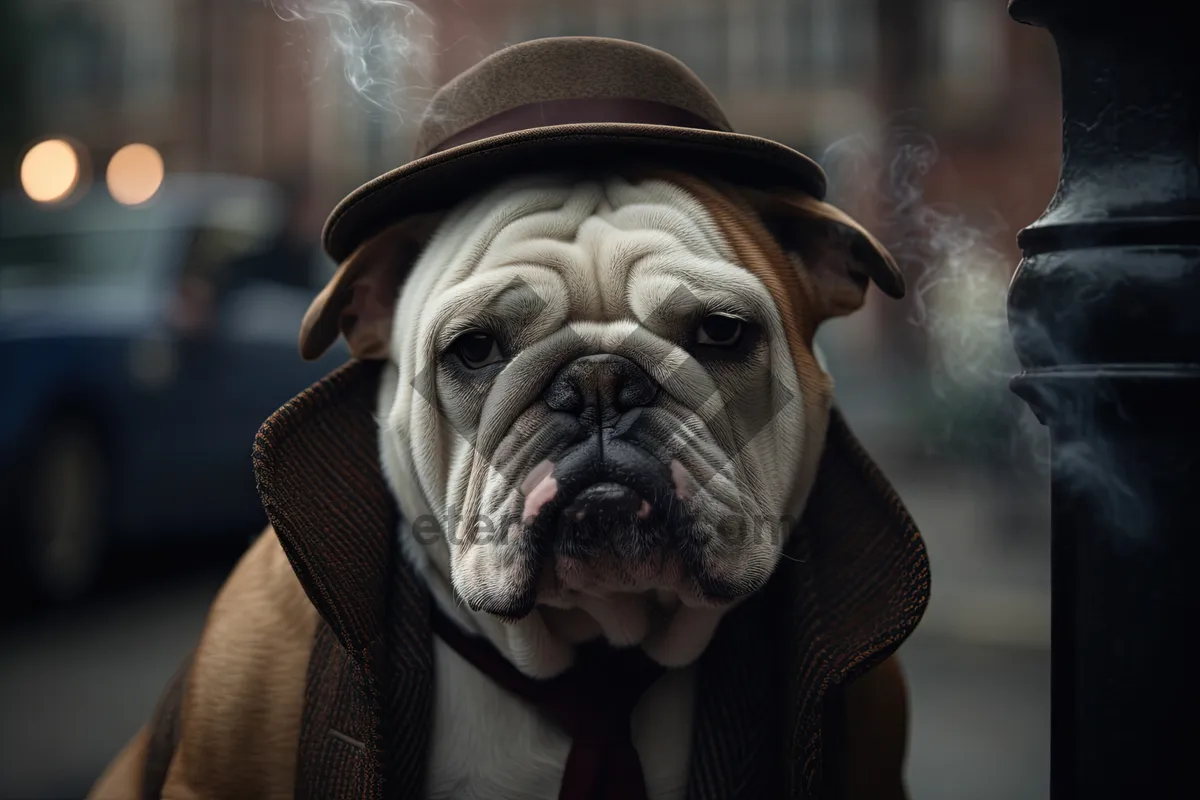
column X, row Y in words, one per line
column 129, row 400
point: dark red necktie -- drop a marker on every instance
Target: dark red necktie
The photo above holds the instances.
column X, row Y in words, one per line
column 592, row 702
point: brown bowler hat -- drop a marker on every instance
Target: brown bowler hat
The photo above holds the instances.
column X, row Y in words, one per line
column 572, row 102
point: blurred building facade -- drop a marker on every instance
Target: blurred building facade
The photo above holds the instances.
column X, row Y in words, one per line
column 245, row 86
column 215, row 85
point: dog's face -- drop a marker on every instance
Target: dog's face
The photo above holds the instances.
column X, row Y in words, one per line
column 603, row 394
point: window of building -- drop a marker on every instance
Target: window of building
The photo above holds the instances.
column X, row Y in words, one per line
column 861, row 39
column 575, row 19
column 829, row 40
column 695, row 33
column 546, row 19
column 798, row 23
column 970, row 43
column 77, row 58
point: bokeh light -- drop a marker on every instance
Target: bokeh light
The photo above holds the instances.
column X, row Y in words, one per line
column 50, row 171
column 134, row 174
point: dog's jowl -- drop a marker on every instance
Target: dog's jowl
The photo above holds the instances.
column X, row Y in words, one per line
column 581, row 518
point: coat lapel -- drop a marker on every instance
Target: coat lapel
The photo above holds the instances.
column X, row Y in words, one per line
column 316, row 461
column 368, row 715
column 852, row 586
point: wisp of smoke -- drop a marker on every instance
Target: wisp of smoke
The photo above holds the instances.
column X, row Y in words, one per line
column 381, row 43
column 959, row 281
column 957, row 277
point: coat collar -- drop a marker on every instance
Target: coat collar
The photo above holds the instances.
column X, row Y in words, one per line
column 853, row 585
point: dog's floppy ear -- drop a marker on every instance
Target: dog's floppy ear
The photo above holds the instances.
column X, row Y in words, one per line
column 360, row 301
column 836, row 256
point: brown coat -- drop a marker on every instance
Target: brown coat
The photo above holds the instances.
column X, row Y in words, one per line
column 313, row 676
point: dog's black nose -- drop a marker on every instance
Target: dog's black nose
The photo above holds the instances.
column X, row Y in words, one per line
column 608, row 384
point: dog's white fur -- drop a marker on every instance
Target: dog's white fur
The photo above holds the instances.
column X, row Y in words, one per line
column 488, row 744
column 603, row 253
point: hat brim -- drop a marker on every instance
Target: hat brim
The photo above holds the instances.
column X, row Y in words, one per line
column 440, row 180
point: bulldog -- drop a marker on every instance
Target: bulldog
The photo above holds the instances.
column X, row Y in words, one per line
column 603, row 440
column 601, row 409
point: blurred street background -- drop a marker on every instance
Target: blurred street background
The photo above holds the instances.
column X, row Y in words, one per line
column 165, row 168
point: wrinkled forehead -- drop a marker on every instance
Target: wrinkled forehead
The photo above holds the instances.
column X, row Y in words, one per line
column 597, row 241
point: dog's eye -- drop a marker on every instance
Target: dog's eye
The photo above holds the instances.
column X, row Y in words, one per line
column 720, row 330
column 477, row 349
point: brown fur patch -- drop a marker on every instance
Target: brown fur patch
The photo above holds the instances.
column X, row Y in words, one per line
column 246, row 691
column 122, row 780
column 359, row 300
column 758, row 252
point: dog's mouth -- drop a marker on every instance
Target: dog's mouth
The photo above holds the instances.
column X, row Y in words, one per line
column 615, row 518
column 616, row 498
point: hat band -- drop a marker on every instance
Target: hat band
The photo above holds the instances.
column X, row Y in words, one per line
column 574, row 111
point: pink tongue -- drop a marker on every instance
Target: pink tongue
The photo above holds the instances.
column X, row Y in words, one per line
column 682, row 480
column 539, row 488
column 644, row 510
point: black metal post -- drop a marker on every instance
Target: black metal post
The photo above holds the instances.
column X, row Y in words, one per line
column 1105, row 315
